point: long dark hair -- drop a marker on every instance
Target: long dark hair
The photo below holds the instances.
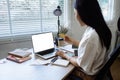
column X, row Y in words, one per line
column 90, row 13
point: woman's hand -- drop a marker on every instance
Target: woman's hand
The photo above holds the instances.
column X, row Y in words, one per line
column 61, row 54
column 71, row 41
column 68, row 39
column 71, row 59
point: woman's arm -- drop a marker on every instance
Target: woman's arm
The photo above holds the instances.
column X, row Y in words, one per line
column 75, row 43
column 71, row 41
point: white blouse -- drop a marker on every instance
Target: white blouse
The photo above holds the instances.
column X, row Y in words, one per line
column 91, row 54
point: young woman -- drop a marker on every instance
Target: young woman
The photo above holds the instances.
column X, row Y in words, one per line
column 95, row 42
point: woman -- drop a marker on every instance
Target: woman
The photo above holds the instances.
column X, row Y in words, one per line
column 95, row 42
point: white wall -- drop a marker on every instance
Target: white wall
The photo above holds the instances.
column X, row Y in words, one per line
column 116, row 14
column 75, row 30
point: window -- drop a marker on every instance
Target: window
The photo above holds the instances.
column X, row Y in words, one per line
column 107, row 9
column 23, row 17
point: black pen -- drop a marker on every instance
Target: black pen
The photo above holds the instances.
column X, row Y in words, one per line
column 54, row 59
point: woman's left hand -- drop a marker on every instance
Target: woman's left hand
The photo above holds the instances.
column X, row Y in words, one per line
column 65, row 56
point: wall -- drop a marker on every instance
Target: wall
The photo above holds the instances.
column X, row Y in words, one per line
column 75, row 30
column 116, row 14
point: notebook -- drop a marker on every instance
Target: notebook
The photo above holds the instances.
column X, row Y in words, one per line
column 43, row 45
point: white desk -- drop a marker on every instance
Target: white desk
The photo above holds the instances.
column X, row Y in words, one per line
column 15, row 71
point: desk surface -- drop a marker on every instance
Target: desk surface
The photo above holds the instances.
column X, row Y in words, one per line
column 24, row 71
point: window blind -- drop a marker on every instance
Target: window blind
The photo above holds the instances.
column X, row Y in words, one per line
column 24, row 17
column 21, row 18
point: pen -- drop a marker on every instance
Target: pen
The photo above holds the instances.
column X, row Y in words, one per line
column 53, row 60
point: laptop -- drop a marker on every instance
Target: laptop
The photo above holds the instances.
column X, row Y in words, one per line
column 43, row 45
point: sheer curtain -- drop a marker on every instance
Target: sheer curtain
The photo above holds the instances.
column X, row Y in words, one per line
column 21, row 18
column 107, row 7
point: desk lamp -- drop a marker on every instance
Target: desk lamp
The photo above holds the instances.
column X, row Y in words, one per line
column 58, row 12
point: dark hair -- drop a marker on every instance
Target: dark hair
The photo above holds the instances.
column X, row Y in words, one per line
column 90, row 13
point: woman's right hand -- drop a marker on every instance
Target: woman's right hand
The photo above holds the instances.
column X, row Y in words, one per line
column 71, row 41
column 68, row 39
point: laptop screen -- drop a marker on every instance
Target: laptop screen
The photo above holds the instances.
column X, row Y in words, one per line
column 43, row 43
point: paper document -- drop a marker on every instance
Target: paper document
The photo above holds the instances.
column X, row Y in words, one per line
column 59, row 62
column 67, row 48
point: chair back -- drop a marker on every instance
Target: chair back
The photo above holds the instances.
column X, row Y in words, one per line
column 106, row 67
column 118, row 24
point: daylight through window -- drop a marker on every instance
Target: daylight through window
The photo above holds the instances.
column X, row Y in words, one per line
column 107, row 9
column 20, row 17
column 26, row 17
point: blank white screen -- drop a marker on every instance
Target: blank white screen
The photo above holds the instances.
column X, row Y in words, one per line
column 42, row 42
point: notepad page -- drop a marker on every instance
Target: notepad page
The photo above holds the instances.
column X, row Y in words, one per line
column 61, row 62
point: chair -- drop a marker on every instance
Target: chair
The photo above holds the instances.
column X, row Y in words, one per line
column 117, row 37
column 104, row 73
column 117, row 32
column 118, row 24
